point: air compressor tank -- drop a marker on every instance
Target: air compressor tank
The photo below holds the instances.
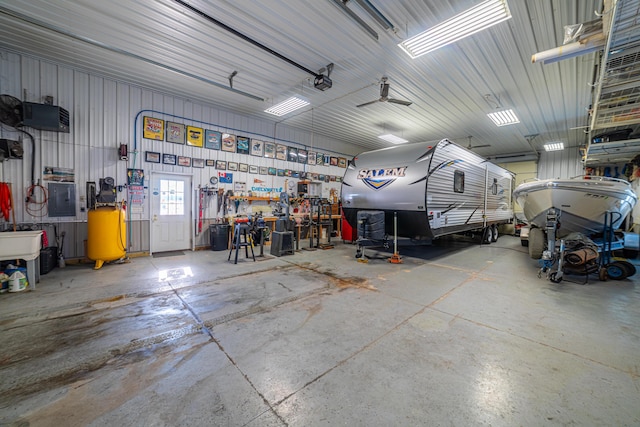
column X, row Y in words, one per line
column 107, row 234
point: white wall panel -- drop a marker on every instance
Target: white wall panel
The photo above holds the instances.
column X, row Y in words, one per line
column 104, row 114
column 560, row 164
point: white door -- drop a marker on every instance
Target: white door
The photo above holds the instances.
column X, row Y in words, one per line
column 170, row 212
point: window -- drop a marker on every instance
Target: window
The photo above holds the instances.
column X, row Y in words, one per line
column 458, row 181
column 171, row 197
column 494, row 187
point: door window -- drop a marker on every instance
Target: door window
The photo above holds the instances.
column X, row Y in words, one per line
column 171, row 197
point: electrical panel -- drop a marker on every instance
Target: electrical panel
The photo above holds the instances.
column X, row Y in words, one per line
column 62, row 199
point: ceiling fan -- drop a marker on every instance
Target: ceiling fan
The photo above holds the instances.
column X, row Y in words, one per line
column 384, row 96
column 471, row 147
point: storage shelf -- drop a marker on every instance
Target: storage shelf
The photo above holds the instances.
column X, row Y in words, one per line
column 613, row 152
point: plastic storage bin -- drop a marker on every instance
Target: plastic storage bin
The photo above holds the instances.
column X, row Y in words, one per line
column 219, row 237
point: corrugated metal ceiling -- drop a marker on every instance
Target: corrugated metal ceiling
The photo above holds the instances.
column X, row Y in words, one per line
column 163, row 45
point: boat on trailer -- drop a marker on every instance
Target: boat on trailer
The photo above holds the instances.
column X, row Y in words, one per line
column 581, row 202
column 589, row 205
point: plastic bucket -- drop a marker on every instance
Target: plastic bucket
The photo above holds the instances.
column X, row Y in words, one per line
column 17, row 279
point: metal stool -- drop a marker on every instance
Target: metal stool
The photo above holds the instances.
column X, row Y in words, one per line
column 241, row 238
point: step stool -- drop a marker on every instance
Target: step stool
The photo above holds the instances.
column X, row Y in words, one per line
column 241, row 238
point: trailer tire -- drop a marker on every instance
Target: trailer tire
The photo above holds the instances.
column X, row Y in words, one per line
column 487, row 235
column 536, row 243
column 616, row 271
column 494, row 236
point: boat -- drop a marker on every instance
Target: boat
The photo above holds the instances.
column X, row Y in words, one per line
column 580, row 203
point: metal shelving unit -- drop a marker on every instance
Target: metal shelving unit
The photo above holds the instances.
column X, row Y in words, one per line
column 616, row 101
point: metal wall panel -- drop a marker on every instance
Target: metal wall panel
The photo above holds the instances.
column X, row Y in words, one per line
column 560, row 164
column 104, row 114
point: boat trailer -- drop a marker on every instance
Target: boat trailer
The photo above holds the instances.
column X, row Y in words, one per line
column 583, row 256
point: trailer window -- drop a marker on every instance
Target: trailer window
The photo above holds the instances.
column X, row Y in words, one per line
column 458, row 181
column 494, row 187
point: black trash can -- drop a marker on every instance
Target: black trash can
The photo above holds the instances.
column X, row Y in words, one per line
column 219, row 237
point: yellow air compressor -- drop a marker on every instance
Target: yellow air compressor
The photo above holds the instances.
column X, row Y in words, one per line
column 107, row 234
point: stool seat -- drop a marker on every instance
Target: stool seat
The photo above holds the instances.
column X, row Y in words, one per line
column 241, row 238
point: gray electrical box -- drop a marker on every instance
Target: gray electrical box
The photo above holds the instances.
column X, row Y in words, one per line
column 62, row 199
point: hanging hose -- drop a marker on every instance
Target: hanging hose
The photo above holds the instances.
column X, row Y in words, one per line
column 37, row 200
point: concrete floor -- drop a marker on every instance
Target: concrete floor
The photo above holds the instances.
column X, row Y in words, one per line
column 458, row 335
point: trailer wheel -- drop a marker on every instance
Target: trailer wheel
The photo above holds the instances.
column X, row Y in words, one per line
column 630, row 268
column 487, row 235
column 554, row 278
column 494, row 236
column 536, row 243
column 616, row 271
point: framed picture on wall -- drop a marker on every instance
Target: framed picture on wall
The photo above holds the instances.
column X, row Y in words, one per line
column 229, row 142
column 263, row 170
column 197, row 163
column 327, row 160
column 311, row 158
column 292, row 154
column 212, row 139
column 272, row 171
column 242, row 145
column 221, row 165
column 280, row 172
column 153, row 128
column 333, row 161
column 342, row 162
column 211, row 162
column 257, row 147
column 243, row 167
column 175, row 132
column 232, row 166
column 184, row 161
column 253, row 169
column 169, row 159
column 319, row 159
column 151, row 157
column 302, row 156
column 195, row 136
column 281, row 152
column 270, row 150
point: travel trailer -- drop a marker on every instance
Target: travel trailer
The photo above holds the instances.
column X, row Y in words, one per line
column 433, row 190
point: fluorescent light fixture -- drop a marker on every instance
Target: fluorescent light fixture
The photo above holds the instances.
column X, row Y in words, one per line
column 471, row 21
column 504, row 118
column 554, row 146
column 393, row 139
column 287, row 106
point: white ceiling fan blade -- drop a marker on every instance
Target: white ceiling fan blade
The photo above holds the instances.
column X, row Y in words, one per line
column 399, row 101
column 368, row 103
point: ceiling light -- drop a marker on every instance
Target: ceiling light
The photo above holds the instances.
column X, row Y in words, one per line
column 471, row 21
column 287, row 106
column 504, row 118
column 393, row 139
column 554, row 146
